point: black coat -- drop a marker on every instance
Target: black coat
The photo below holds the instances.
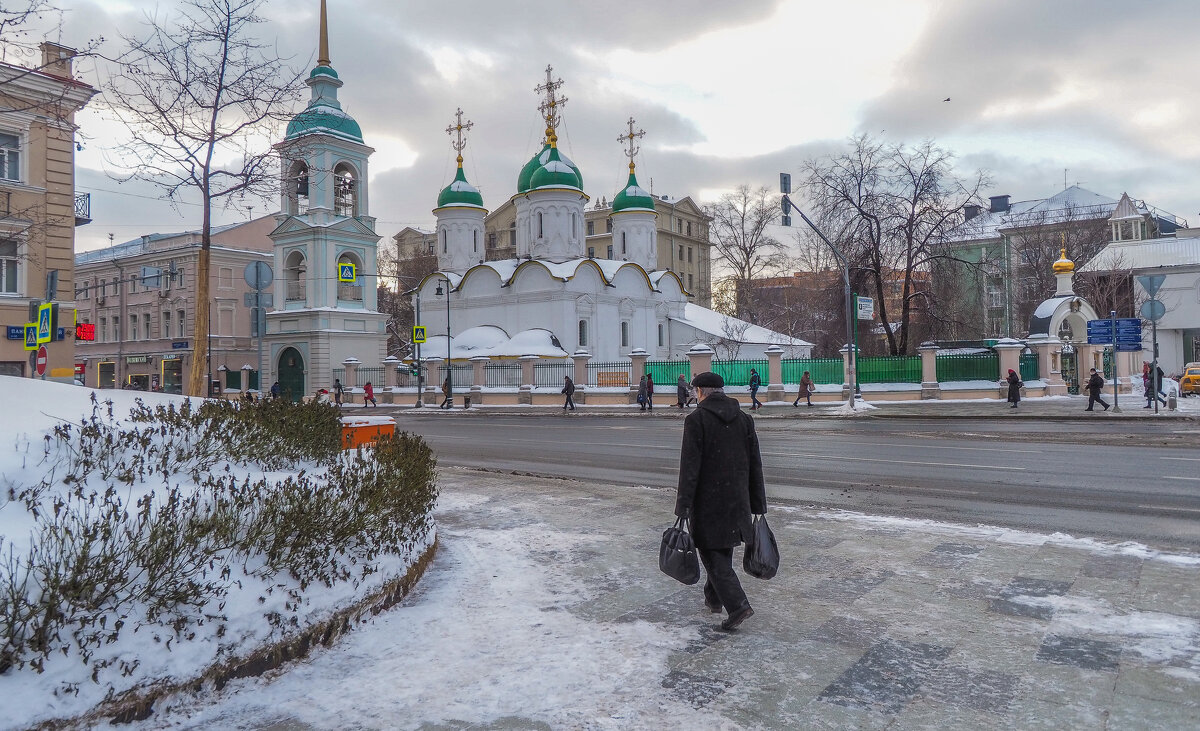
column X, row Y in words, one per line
column 681, row 391
column 569, row 387
column 1014, row 388
column 1095, row 384
column 720, row 473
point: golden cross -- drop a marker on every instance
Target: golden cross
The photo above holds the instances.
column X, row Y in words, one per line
column 457, row 129
column 628, row 138
column 553, row 103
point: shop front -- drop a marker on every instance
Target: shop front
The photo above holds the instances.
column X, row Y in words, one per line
column 171, row 373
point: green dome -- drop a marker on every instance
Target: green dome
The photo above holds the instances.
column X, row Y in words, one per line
column 460, row 193
column 556, row 172
column 322, row 71
column 633, row 197
column 525, row 179
column 325, row 119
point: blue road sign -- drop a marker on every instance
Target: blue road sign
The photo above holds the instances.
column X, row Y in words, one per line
column 346, row 272
column 31, row 336
column 45, row 331
column 16, row 332
column 1128, row 347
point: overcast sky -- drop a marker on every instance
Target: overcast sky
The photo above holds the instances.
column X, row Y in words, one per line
column 728, row 93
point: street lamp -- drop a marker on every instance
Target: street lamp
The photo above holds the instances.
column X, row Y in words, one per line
column 449, row 371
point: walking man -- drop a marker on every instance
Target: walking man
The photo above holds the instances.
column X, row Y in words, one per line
column 755, row 384
column 448, row 393
column 720, row 488
column 1095, row 386
column 649, row 392
column 681, row 391
column 569, row 390
column 337, row 391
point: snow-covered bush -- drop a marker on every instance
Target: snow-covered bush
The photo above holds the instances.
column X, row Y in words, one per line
column 155, row 524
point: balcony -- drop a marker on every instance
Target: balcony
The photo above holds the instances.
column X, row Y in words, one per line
column 83, row 209
column 350, row 292
column 295, row 292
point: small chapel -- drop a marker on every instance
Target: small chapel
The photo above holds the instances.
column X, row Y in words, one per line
column 552, row 300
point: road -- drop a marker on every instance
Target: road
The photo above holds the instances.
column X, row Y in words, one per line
column 1114, row 481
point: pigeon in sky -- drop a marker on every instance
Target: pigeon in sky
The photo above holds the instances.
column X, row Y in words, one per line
column 946, row 99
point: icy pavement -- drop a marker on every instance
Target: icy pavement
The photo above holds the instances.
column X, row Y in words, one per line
column 545, row 609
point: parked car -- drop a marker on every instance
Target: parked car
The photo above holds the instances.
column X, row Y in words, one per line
column 1189, row 380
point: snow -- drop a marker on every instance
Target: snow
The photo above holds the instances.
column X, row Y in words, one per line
column 493, row 342
column 723, row 326
column 368, row 420
column 1047, row 307
column 462, row 186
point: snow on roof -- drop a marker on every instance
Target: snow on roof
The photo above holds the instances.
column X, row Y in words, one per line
column 1147, row 254
column 494, row 342
column 563, row 270
column 1047, row 307
column 731, row 328
column 1074, row 203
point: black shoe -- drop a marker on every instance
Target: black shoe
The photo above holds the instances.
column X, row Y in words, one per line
column 737, row 618
column 714, row 608
column 1087, row 409
column 1106, row 407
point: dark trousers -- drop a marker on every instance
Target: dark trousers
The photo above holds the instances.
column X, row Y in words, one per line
column 1094, row 398
column 722, row 586
column 447, row 403
column 754, row 398
column 569, row 403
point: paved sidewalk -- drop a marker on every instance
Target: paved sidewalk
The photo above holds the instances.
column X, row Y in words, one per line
column 545, row 609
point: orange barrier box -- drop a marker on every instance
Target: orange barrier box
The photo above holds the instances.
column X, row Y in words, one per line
column 362, row 430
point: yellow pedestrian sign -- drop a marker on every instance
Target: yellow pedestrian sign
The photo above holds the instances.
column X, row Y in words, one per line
column 346, row 272
column 31, row 336
column 45, row 328
column 418, row 333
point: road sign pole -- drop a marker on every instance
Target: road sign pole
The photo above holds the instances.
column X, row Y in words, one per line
column 420, row 366
column 1116, row 409
column 1155, row 381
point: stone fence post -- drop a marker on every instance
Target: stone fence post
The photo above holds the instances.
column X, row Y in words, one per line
column 930, row 387
column 478, row 377
column 580, row 359
column 1009, row 351
column 1049, row 355
column 390, row 376
column 351, row 365
column 637, row 369
column 701, row 357
column 246, row 379
column 525, row 395
column 774, row 373
column 849, row 371
column 433, row 385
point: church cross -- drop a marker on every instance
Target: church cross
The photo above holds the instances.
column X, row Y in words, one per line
column 628, row 138
column 553, row 103
column 457, row 129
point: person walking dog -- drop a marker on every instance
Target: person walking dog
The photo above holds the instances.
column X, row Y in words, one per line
column 1095, row 387
column 720, row 489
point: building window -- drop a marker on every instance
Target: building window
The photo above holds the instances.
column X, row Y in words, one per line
column 345, row 191
column 225, row 278
column 689, row 228
column 102, row 331
column 146, row 325
column 591, row 252
column 679, row 225
column 689, row 255
column 608, row 225
column 225, row 322
column 182, row 320
column 9, row 266
column 624, row 248
column 166, row 322
column 591, row 228
column 610, row 251
column 689, row 282
column 661, row 332
column 582, row 333
column 133, row 327
column 681, row 252
column 116, row 338
column 10, row 157
column 624, row 334
column 995, row 298
column 491, row 240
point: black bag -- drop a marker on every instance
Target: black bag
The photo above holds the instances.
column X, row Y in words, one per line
column 677, row 554
column 762, row 553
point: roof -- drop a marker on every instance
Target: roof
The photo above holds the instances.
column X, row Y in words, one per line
column 564, row 271
column 525, row 178
column 1146, row 254
column 555, row 172
column 1072, row 204
column 460, row 193
column 731, row 328
column 494, row 342
column 633, row 197
column 323, row 118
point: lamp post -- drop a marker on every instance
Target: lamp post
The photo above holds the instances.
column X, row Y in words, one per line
column 449, row 363
column 420, row 367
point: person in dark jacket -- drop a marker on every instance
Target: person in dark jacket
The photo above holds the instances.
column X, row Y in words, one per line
column 720, row 489
column 641, row 394
column 806, row 389
column 448, row 393
column 337, row 391
column 681, row 391
column 1014, row 388
column 649, row 392
column 1094, row 387
column 275, row 390
column 569, row 391
column 1152, row 382
column 755, row 384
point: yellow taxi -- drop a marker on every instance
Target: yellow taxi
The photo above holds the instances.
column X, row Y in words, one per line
column 1189, row 381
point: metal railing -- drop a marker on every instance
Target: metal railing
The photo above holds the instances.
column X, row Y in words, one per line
column 737, row 372
column 820, row 370
column 968, row 367
column 461, row 376
column 609, row 375
column 83, row 208
column 890, row 369
column 372, row 374
column 295, row 291
column 502, row 375
column 339, row 374
column 551, row 374
column 350, row 292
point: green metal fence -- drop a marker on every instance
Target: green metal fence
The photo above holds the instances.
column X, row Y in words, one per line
column 667, row 372
column 821, row 370
column 610, row 374
column 968, row 367
column 1029, row 367
column 890, row 369
column 737, row 372
column 552, row 374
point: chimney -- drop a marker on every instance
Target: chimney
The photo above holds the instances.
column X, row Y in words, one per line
column 999, row 203
column 56, row 59
column 971, row 211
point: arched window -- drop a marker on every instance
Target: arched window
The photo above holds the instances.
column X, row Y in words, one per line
column 345, row 191
column 582, row 333
column 350, row 291
column 624, row 248
column 624, row 334
column 293, row 274
column 541, row 227
column 475, row 240
column 297, row 188
column 445, row 244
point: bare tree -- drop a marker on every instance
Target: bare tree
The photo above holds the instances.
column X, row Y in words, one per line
column 200, row 96
column 891, row 207
column 738, row 232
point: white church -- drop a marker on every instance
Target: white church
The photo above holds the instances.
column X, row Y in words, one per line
column 552, row 300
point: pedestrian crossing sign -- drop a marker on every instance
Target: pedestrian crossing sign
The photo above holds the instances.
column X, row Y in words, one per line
column 346, row 272
column 45, row 328
column 418, row 333
column 31, row 336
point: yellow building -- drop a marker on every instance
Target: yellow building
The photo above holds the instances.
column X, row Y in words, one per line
column 39, row 208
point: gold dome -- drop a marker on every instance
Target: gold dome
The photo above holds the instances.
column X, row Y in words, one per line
column 1063, row 265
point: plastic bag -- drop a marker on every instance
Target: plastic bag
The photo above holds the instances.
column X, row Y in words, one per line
column 677, row 555
column 761, row 559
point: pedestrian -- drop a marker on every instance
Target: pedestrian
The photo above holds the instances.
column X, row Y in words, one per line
column 1152, row 385
column 275, row 390
column 337, row 391
column 448, row 393
column 1094, row 387
column 641, row 393
column 720, row 490
column 681, row 391
column 1014, row 388
column 755, row 384
column 569, row 390
column 369, row 395
column 649, row 392
column 691, row 399
column 806, row 389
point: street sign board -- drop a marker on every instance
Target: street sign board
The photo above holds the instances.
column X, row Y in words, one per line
column 45, row 318
column 1128, row 347
column 785, row 183
column 16, row 332
column 1152, row 282
column 866, row 308
column 1153, row 310
column 258, row 275
column 346, row 272
column 31, row 341
column 418, row 333
column 42, row 359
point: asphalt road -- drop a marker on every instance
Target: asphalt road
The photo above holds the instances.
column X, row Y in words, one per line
column 1115, row 481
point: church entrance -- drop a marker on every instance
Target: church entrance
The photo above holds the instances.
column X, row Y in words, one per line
column 291, row 375
column 1070, row 369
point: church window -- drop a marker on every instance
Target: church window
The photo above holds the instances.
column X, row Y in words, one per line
column 582, row 333
column 624, row 248
column 591, row 228
column 541, row 227
column 345, row 191
column 445, row 245
column 475, row 241
column 350, row 291
column 661, row 332
column 293, row 275
column 297, row 188
column 624, row 334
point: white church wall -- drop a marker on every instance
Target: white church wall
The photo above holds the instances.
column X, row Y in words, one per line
column 556, row 223
column 459, row 238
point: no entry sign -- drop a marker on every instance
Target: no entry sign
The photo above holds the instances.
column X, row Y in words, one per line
column 41, row 361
